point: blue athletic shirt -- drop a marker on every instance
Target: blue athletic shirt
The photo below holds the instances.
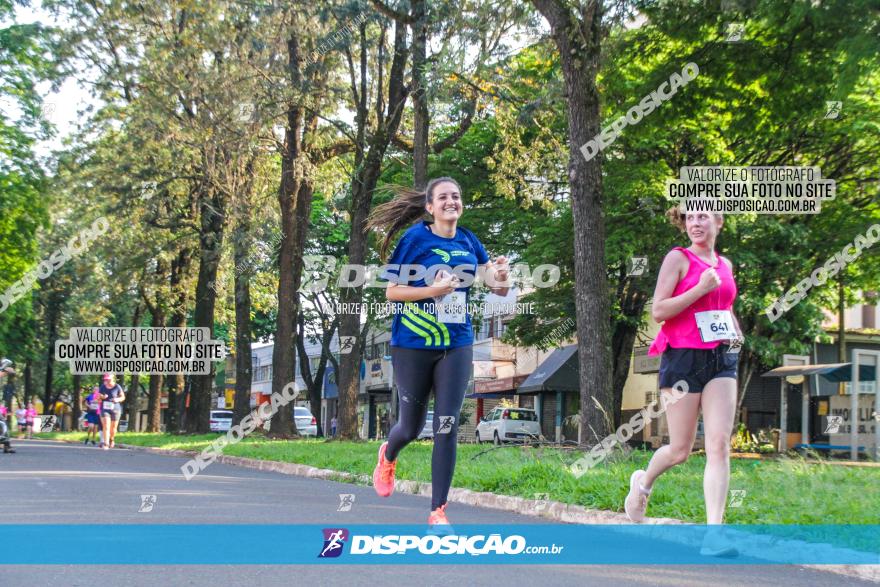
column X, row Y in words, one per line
column 416, row 324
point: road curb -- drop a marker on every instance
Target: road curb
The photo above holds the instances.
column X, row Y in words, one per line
column 551, row 510
column 556, row 511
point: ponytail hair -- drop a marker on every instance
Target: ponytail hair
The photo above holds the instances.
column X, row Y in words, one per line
column 407, row 206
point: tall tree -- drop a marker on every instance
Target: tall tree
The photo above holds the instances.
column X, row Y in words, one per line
column 576, row 28
column 375, row 130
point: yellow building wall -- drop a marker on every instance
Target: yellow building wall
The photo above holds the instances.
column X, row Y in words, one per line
column 639, row 387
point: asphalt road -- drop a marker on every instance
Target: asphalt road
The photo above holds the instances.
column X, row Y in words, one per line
column 54, row 483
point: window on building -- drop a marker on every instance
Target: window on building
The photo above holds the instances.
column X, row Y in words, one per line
column 263, row 373
column 482, row 330
column 500, row 327
column 864, row 387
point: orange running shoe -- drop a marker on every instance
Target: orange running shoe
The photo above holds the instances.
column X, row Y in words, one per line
column 438, row 522
column 383, row 474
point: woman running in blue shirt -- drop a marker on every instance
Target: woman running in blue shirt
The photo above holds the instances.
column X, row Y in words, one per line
column 430, row 274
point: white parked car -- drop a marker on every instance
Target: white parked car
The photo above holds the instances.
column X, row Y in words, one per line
column 508, row 424
column 428, row 429
column 306, row 424
column 221, row 420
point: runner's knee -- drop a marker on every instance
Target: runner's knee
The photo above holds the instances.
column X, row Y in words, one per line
column 679, row 454
column 409, row 433
column 717, row 446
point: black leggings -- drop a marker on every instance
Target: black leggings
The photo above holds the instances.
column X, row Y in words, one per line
column 416, row 371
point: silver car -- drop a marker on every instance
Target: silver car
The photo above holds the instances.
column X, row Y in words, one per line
column 220, row 420
column 306, row 424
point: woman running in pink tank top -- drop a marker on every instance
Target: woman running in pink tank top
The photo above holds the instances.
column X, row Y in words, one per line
column 693, row 301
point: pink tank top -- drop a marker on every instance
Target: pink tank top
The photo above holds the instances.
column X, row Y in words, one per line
column 681, row 332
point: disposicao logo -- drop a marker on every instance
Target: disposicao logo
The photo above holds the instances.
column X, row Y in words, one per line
column 334, row 539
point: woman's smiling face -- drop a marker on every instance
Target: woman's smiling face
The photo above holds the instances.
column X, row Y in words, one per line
column 445, row 203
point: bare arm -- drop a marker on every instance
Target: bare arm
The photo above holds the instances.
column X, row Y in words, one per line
column 671, row 271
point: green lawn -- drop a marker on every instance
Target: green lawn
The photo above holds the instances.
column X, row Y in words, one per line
column 778, row 491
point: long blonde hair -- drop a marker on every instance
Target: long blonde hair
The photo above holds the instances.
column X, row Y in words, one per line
column 407, row 206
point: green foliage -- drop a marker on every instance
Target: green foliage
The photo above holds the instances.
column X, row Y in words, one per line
column 25, row 60
column 757, row 102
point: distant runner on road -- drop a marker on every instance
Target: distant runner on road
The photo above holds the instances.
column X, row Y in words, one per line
column 112, row 397
column 93, row 416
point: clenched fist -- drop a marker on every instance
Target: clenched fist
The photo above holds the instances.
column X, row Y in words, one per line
column 709, row 281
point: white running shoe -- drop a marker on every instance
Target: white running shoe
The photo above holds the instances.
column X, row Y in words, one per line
column 717, row 543
column 637, row 500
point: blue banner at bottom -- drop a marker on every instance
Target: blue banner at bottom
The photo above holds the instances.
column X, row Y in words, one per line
column 543, row 544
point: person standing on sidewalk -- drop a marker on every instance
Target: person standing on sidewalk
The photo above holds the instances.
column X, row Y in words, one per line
column 693, row 300
column 431, row 335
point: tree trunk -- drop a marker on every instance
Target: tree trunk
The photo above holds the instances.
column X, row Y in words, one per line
column 180, row 267
column 295, row 200
column 154, row 404
column 157, row 311
column 421, row 121
column 28, row 381
column 242, row 319
column 314, row 383
column 364, row 183
column 295, row 211
column 841, row 330
column 52, row 315
column 632, row 304
column 577, row 33
column 132, row 396
column 212, row 219
column 76, row 401
column 283, row 366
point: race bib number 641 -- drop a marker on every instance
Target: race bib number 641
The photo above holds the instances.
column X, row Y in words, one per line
column 715, row 325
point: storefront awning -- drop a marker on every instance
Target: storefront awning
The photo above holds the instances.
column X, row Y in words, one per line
column 830, row 371
column 494, row 388
column 558, row 372
column 866, row 373
column 792, row 370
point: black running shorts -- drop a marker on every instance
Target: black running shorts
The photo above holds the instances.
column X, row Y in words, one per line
column 696, row 366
